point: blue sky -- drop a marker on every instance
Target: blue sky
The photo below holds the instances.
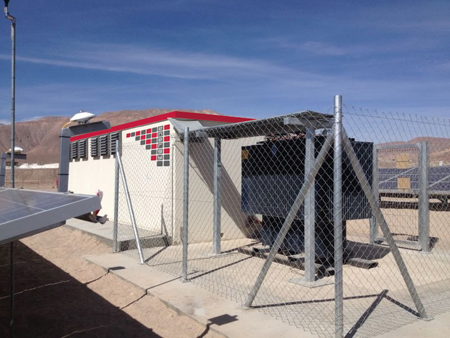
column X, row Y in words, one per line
column 244, row 58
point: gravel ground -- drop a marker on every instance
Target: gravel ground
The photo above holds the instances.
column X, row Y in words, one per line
column 59, row 294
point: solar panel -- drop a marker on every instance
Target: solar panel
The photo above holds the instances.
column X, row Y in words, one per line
column 27, row 212
column 438, row 178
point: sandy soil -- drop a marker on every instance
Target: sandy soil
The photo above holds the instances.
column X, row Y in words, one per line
column 58, row 294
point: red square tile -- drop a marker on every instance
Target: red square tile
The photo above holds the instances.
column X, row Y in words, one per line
column 153, row 158
column 166, row 138
column 142, row 137
column 167, row 151
column 167, row 126
column 138, row 133
column 154, row 145
column 149, row 131
column 155, row 135
column 128, row 135
column 148, row 141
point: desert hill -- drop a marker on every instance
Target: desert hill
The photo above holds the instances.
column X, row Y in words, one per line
column 439, row 149
column 40, row 138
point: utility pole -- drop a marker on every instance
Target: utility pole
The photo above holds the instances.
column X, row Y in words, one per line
column 13, row 145
column 13, row 89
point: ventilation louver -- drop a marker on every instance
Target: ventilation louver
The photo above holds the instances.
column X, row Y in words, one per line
column 94, row 146
column 104, row 144
column 82, row 151
column 74, row 150
column 113, row 138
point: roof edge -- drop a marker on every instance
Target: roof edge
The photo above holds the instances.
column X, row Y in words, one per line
column 162, row 117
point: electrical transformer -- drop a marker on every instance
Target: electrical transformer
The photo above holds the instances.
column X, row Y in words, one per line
column 273, row 172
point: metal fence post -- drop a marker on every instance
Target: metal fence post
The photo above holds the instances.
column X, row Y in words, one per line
column 130, row 206
column 337, row 215
column 289, row 219
column 375, row 187
column 310, row 214
column 424, row 200
column 185, row 205
column 217, row 193
column 116, row 200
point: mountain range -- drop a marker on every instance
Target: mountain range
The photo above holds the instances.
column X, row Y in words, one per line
column 40, row 137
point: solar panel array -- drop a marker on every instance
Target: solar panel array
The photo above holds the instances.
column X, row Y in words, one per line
column 439, row 178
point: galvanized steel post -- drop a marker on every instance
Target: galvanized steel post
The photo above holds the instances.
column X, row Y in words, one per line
column 310, row 214
column 337, row 215
column 185, row 206
column 116, row 199
column 130, row 207
column 424, row 199
column 217, row 193
column 375, row 183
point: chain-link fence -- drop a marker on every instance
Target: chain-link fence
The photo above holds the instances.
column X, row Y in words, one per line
column 34, row 179
column 288, row 216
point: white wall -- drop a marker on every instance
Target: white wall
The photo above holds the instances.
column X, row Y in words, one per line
column 88, row 175
column 150, row 185
column 157, row 191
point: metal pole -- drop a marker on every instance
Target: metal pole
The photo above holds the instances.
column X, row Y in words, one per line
column 337, row 215
column 116, row 199
column 130, row 206
column 375, row 187
column 13, row 145
column 217, row 191
column 310, row 213
column 12, row 290
column 383, row 225
column 13, row 95
column 424, row 200
column 289, row 219
column 185, row 206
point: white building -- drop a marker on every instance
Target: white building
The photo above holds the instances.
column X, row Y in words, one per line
column 152, row 156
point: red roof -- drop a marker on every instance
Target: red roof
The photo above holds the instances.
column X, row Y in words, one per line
column 162, row 117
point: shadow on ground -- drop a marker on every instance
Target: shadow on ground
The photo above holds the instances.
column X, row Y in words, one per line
column 51, row 303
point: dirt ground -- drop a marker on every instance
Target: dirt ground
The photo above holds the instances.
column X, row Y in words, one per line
column 59, row 294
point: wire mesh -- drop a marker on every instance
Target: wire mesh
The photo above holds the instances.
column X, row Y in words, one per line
column 255, row 179
column 397, row 138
